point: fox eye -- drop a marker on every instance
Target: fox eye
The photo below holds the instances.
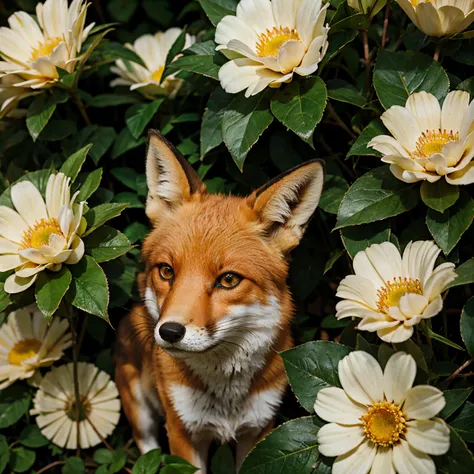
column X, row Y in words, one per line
column 165, row 271
column 228, row 280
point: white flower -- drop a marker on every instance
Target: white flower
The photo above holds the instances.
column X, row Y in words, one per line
column 39, row 235
column 153, row 50
column 55, row 405
column 33, row 51
column 379, row 423
column 28, row 343
column 268, row 41
column 439, row 17
column 391, row 294
column 429, row 141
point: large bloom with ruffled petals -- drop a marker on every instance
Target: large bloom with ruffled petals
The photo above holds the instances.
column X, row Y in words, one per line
column 153, row 50
column 430, row 141
column 39, row 235
column 55, row 405
column 439, row 17
column 28, row 343
column 379, row 422
column 390, row 293
column 269, row 41
column 34, row 51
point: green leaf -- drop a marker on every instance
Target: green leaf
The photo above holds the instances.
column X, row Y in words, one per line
column 50, row 288
column 58, row 130
column 414, row 350
column 5, row 299
column 467, row 326
column 311, row 367
column 343, row 91
column 363, row 345
column 148, row 463
column 4, row 453
column 458, row 459
column 125, row 142
column 119, row 459
column 90, row 185
column 127, row 176
column 223, row 460
column 361, row 145
column 360, row 237
column 112, row 100
column 139, row 116
column 290, row 449
column 100, row 214
column 439, row 195
column 41, row 110
column 200, row 58
column 335, row 186
column 14, row 403
column 211, row 126
column 136, row 232
column 243, row 122
column 122, row 10
column 444, row 340
column 448, row 227
column 468, row 86
column 102, row 455
column 375, row 196
column 21, row 459
column 218, row 9
column 465, row 274
column 337, row 41
column 463, row 422
column 131, row 199
column 109, row 51
column 397, row 75
column 300, row 106
column 73, row 164
column 176, row 48
column 106, row 244
column 74, row 465
column 89, row 288
column 176, row 465
column 384, row 353
column 31, row 437
column 454, row 399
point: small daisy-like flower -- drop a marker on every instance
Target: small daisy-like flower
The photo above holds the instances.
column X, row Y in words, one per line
column 39, row 235
column 379, row 422
column 55, row 405
column 27, row 343
column 153, row 50
column 270, row 41
column 33, row 51
column 390, row 293
column 439, row 17
column 430, row 141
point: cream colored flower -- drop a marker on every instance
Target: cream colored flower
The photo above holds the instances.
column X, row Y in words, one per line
column 55, row 405
column 269, row 41
column 153, row 50
column 28, row 343
column 39, row 235
column 390, row 293
column 379, row 423
column 430, row 141
column 367, row 7
column 439, row 17
column 34, row 51
column 10, row 95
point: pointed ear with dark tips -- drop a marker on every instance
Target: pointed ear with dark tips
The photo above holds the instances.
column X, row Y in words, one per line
column 171, row 180
column 286, row 204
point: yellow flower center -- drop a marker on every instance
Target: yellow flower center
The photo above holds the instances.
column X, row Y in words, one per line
column 38, row 234
column 433, row 141
column 23, row 350
column 270, row 42
column 45, row 49
column 390, row 294
column 384, row 423
column 156, row 75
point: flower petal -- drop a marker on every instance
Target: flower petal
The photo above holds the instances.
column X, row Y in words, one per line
column 290, row 55
column 12, row 226
column 398, row 377
column 454, row 108
column 387, row 145
column 396, row 334
column 309, row 21
column 234, row 28
column 426, row 109
column 439, row 280
column 428, row 436
column 16, row 284
column 408, row 460
column 357, row 461
column 358, row 288
column 403, row 125
column 361, row 377
column 57, row 194
column 428, row 19
column 77, row 251
column 9, row 262
column 419, row 259
column 412, row 305
column 336, row 440
column 383, row 463
column 423, row 402
column 28, row 202
column 284, row 12
column 332, row 404
column 256, row 13
column 464, row 176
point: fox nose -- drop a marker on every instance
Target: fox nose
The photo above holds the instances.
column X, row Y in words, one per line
column 172, row 332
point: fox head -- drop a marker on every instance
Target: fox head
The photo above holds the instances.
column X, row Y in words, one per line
column 216, row 266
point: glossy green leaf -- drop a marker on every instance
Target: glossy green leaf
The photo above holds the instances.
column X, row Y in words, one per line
column 148, row 463
column 90, row 185
column 218, row 9
column 74, row 465
column 100, row 214
column 138, row 117
column 467, row 326
column 50, row 288
column 454, row 399
column 4, row 453
column 31, row 437
column 223, row 460
column 106, row 244
column 122, row 10
column 112, row 100
column 440, row 195
column 14, row 403
column 343, row 91
column 337, row 42
column 465, row 274
column 335, row 187
column 136, row 232
column 357, row 238
column 73, row 164
column 397, row 75
column 375, row 196
column 458, row 460
column 21, row 459
column 124, row 142
column 311, row 367
column 463, row 422
column 361, row 145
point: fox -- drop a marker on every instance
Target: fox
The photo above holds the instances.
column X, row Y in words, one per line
column 202, row 349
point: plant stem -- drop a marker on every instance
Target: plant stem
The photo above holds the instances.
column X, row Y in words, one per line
column 339, row 121
column 80, row 106
column 459, row 370
column 365, row 41
column 437, row 51
column 50, row 466
column 385, row 25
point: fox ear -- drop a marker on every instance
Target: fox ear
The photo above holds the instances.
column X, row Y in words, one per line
column 171, row 180
column 286, row 204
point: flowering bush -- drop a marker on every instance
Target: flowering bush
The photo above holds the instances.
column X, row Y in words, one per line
column 382, row 91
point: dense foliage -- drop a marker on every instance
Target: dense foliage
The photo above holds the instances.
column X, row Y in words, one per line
column 95, row 134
